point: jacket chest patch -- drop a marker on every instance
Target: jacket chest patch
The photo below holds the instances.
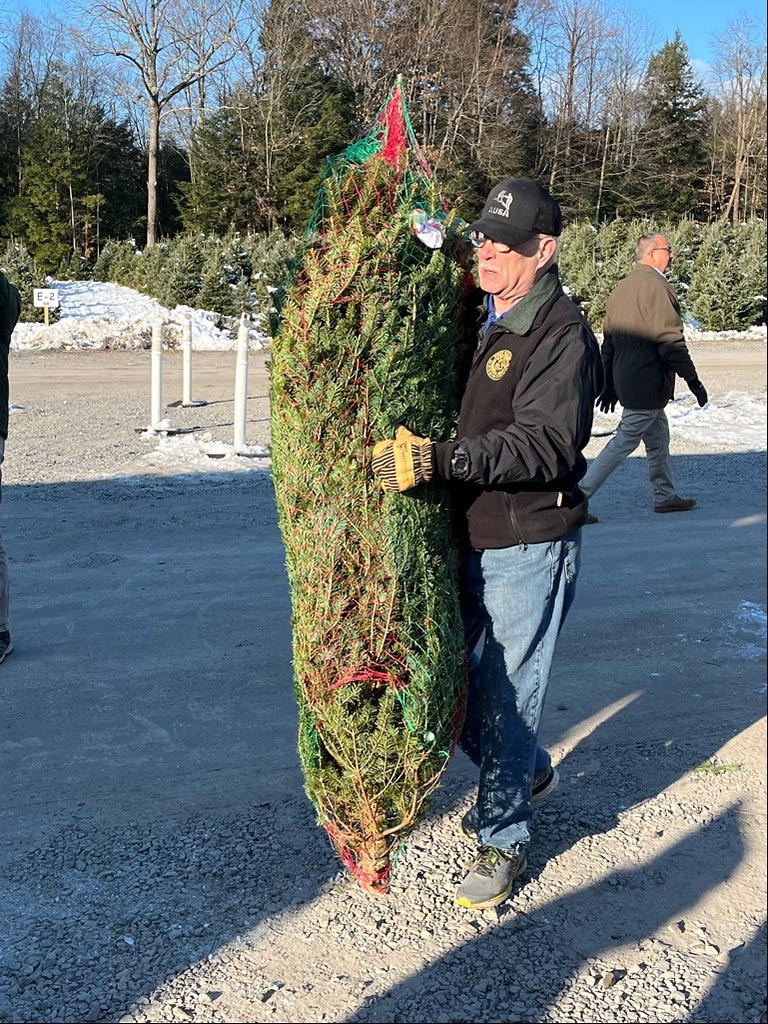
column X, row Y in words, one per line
column 498, row 364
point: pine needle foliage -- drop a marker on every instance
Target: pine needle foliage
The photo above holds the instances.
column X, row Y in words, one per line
column 369, row 339
column 23, row 270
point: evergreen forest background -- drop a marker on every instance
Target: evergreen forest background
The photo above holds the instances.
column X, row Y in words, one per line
column 178, row 146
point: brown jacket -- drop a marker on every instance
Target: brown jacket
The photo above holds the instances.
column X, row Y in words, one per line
column 643, row 346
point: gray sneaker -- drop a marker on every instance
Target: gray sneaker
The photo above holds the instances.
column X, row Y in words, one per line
column 491, row 878
column 544, row 785
column 6, row 645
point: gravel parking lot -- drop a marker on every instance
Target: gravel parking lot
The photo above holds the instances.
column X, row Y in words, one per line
column 158, row 859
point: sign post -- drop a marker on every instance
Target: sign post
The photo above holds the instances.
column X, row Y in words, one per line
column 45, row 298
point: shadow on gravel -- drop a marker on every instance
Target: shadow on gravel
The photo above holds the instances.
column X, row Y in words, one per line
column 516, row 971
column 151, row 808
column 744, row 976
column 661, row 662
column 151, row 805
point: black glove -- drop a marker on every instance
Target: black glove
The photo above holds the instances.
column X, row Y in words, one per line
column 405, row 462
column 607, row 399
column 699, row 391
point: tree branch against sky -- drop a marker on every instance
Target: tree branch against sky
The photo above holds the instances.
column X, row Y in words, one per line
column 233, row 108
column 740, row 69
column 170, row 46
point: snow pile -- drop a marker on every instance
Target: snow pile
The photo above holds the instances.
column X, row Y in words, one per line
column 757, row 333
column 94, row 315
column 736, row 422
column 200, row 453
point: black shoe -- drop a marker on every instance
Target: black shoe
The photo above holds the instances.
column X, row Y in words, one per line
column 6, row 645
column 676, row 505
column 490, row 879
column 590, row 520
column 544, row 785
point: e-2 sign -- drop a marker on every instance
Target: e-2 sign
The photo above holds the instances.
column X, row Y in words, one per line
column 47, row 298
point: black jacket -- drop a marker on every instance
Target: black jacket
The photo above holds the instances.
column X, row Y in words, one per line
column 526, row 416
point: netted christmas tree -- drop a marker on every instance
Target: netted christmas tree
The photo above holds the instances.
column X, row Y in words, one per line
column 370, row 338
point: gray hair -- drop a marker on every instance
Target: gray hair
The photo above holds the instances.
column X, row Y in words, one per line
column 553, row 257
column 644, row 243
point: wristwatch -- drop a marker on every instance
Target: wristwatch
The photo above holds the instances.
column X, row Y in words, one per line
column 459, row 465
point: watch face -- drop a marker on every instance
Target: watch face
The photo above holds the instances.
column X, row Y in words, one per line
column 460, row 464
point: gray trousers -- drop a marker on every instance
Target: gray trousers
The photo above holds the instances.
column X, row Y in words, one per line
column 650, row 426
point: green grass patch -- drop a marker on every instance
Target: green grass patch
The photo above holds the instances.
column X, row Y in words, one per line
column 718, row 767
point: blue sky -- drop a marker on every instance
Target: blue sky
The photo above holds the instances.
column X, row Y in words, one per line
column 698, row 20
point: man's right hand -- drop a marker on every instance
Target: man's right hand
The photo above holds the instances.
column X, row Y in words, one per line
column 699, row 392
column 607, row 399
column 405, row 462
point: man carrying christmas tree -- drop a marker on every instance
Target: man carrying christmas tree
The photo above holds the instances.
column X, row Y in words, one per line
column 525, row 418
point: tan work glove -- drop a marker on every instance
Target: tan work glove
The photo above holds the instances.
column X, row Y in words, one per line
column 405, row 462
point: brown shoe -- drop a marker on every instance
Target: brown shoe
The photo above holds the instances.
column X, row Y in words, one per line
column 676, row 505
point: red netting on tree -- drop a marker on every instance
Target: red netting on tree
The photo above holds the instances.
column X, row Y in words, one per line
column 395, row 129
column 391, row 139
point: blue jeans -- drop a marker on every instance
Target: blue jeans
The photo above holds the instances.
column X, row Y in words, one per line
column 515, row 601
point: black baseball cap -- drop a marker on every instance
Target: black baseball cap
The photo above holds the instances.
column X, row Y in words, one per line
column 518, row 209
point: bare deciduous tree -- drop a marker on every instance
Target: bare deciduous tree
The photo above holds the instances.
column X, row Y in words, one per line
column 572, row 50
column 740, row 67
column 170, row 46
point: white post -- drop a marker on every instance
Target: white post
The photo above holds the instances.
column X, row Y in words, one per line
column 241, row 385
column 156, row 407
column 186, row 353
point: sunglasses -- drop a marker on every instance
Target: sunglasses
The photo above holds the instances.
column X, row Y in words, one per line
column 478, row 240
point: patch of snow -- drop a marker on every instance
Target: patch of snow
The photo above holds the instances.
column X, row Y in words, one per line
column 738, row 421
column 199, row 453
column 748, row 632
column 95, row 315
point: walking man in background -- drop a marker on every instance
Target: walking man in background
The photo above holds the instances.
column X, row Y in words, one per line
column 515, row 464
column 643, row 349
column 10, row 310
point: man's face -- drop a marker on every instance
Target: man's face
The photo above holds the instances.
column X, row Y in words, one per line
column 510, row 275
column 661, row 253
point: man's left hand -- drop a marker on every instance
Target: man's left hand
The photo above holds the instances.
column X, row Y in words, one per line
column 404, row 462
column 699, row 392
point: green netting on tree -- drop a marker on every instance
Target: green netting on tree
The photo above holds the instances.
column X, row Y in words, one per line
column 370, row 338
column 391, row 139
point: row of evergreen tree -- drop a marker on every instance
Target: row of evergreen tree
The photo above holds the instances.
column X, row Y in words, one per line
column 718, row 271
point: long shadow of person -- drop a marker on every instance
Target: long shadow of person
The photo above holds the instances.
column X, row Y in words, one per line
column 653, row 708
